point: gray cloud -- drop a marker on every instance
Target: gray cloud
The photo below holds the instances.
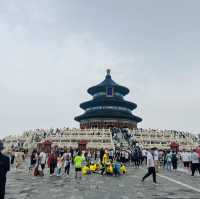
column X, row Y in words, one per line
column 51, row 52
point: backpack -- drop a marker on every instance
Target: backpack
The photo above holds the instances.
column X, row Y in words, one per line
column 174, row 158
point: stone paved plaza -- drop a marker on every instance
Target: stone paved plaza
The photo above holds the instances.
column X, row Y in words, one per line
column 20, row 185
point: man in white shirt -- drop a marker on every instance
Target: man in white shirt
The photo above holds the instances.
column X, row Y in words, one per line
column 150, row 166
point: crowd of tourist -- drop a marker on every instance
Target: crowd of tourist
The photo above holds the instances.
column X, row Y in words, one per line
column 60, row 160
column 114, row 162
column 106, row 162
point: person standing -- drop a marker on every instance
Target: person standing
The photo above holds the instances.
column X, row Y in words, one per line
column 195, row 162
column 101, row 154
column 19, row 159
column 78, row 160
column 174, row 160
column 4, row 168
column 156, row 157
column 150, row 166
column 12, row 157
column 144, row 156
column 43, row 158
column 59, row 164
column 67, row 162
column 33, row 161
column 169, row 161
column 52, row 163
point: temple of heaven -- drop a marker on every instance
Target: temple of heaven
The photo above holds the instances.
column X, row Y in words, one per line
column 108, row 109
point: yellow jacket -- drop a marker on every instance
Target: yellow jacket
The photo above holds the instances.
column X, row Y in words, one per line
column 85, row 170
column 123, row 169
column 105, row 158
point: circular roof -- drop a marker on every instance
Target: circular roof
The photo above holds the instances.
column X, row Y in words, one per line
column 108, row 82
column 105, row 101
column 108, row 114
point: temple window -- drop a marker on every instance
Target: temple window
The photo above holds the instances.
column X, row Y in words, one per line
column 109, row 91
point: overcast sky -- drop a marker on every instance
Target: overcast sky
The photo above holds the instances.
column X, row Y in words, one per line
column 52, row 51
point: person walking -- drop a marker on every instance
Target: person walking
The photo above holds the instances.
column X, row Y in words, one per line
column 4, row 168
column 150, row 166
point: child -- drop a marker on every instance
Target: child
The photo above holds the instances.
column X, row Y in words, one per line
column 109, row 169
column 116, row 168
column 86, row 170
column 123, row 169
column 59, row 164
column 92, row 167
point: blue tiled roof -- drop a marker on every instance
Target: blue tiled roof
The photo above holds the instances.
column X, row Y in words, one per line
column 108, row 82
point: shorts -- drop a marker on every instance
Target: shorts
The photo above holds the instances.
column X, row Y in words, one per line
column 78, row 169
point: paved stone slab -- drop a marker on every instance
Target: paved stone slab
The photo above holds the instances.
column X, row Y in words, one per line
column 20, row 185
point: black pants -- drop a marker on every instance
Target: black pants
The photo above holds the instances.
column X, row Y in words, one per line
column 52, row 168
column 67, row 169
column 194, row 167
column 2, row 189
column 151, row 171
column 43, row 166
column 174, row 165
column 137, row 162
